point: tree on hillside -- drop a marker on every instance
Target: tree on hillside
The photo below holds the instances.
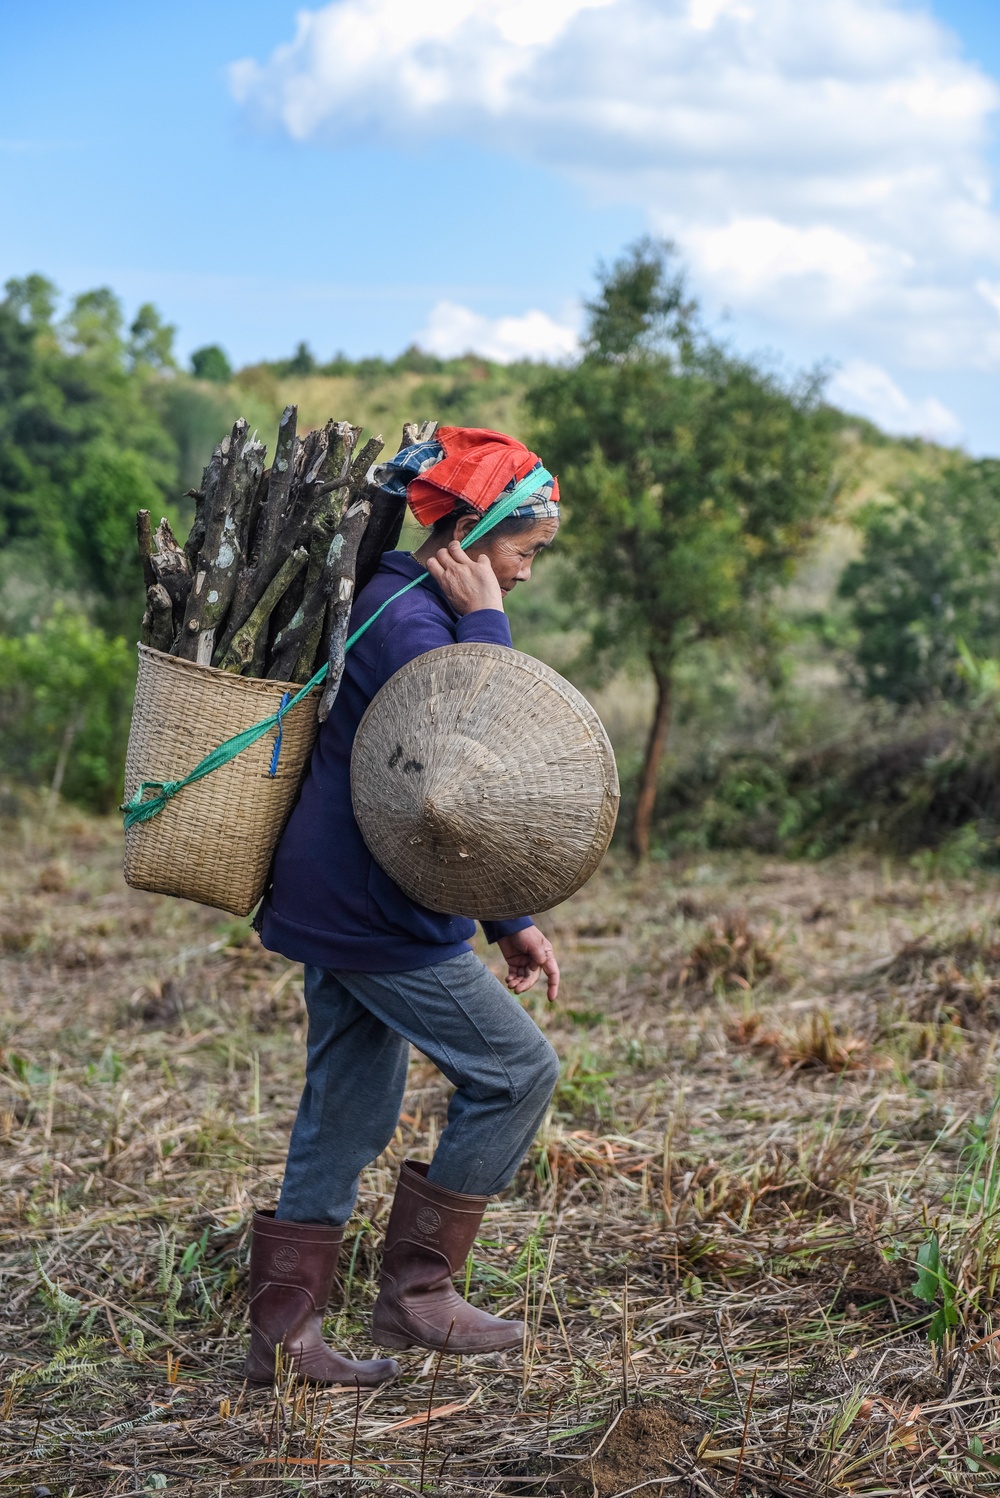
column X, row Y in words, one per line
column 929, row 576
column 693, row 479
column 211, row 363
column 151, row 342
column 302, row 362
column 80, row 440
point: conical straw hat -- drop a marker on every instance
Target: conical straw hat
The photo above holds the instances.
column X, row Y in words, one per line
column 484, row 784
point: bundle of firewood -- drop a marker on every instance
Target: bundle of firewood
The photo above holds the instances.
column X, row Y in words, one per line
column 264, row 584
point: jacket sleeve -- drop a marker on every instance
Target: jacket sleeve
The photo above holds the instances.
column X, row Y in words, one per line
column 415, row 636
column 493, row 930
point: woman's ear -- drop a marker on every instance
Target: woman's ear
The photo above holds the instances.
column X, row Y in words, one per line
column 463, row 525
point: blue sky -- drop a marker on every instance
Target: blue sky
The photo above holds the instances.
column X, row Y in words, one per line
column 381, row 172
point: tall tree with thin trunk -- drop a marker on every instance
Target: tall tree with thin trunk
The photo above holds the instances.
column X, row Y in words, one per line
column 692, row 480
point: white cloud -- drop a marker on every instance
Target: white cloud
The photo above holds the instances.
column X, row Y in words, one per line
column 822, row 165
column 870, row 391
column 349, row 59
column 703, row 14
column 751, row 256
column 453, row 330
column 990, row 293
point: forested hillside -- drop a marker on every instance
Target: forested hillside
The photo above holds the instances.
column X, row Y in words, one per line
column 96, row 421
column 808, row 694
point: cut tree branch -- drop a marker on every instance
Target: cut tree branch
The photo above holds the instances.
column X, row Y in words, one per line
column 242, row 463
column 244, row 643
column 158, row 620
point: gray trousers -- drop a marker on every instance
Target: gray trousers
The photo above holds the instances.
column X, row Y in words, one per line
column 361, row 1026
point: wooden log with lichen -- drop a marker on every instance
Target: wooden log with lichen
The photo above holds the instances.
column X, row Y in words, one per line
column 305, row 479
column 321, row 463
column 172, row 570
column 342, row 569
column 339, row 584
column 265, row 582
column 263, row 557
column 164, row 568
column 297, row 646
column 244, row 644
column 144, row 536
column 158, row 620
column 227, row 506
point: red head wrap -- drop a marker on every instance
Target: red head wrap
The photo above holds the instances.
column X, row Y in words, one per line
column 477, row 466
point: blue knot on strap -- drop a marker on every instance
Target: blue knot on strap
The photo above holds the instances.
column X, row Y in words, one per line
column 282, row 709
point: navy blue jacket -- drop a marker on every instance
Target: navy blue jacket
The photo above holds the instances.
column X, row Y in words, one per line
column 330, row 904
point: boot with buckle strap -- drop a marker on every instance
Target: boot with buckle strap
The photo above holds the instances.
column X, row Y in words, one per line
column 292, row 1268
column 430, row 1234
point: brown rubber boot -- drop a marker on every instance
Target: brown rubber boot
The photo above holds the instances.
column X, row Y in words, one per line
column 292, row 1265
column 430, row 1234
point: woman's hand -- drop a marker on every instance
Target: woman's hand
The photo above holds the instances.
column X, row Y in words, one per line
column 529, row 953
column 468, row 585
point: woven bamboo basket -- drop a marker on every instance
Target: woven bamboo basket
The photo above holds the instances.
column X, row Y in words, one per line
column 214, row 841
column 484, row 783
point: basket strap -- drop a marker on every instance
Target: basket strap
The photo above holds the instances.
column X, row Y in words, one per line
column 151, row 796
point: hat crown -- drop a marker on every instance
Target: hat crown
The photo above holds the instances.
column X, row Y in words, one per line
column 484, row 783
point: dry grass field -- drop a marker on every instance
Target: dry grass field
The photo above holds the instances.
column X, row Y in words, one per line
column 755, row 1243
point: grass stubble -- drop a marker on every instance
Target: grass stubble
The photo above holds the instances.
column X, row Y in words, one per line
column 755, row 1243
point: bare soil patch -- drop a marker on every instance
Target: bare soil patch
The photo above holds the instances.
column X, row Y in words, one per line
column 648, row 1445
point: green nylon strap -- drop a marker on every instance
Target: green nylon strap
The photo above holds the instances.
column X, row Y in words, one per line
column 142, row 807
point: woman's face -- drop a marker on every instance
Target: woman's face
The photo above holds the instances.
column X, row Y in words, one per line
column 510, row 556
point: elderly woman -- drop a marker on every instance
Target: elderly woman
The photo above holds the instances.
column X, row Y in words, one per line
column 382, row 973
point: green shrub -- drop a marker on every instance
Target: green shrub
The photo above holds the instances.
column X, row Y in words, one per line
column 65, row 694
column 929, row 573
column 915, row 784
